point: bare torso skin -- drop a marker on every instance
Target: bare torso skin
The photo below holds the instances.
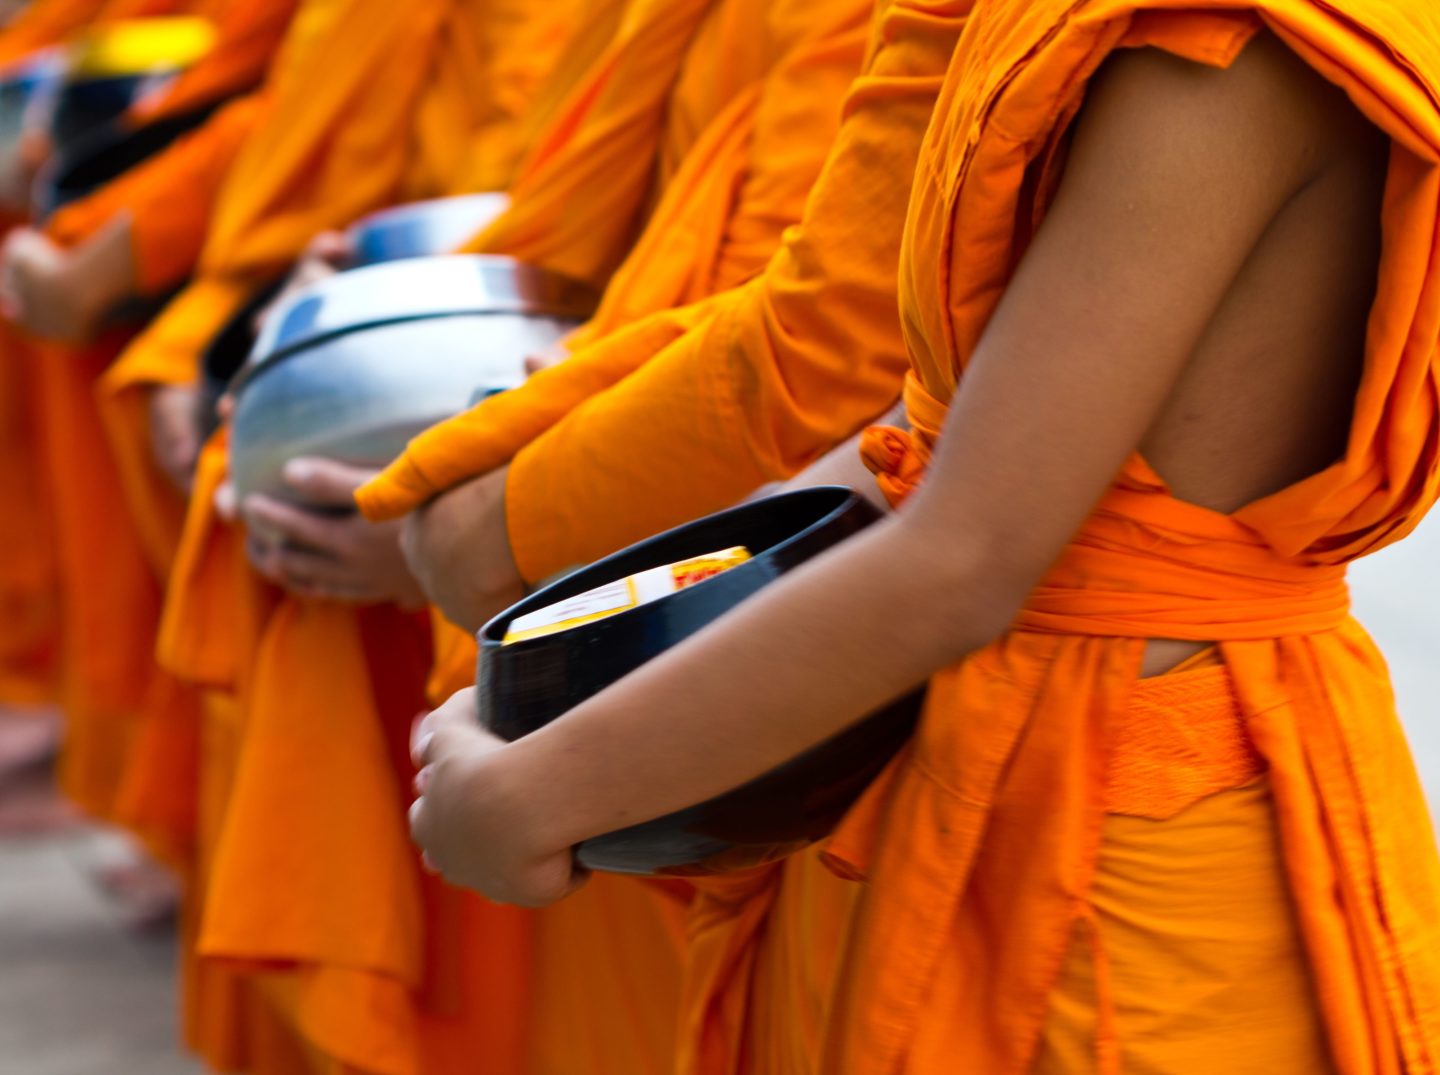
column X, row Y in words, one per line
column 1266, row 399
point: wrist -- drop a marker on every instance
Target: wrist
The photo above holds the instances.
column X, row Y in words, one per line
column 103, row 269
column 526, row 804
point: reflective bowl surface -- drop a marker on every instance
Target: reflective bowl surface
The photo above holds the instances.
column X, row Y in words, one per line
column 525, row 685
column 421, row 229
column 354, row 367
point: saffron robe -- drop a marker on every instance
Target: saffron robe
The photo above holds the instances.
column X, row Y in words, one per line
column 1014, row 750
column 813, row 58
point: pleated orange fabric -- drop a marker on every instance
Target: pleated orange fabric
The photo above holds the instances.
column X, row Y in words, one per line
column 734, row 392
column 745, row 388
column 45, row 23
column 129, row 755
column 29, row 651
column 1159, row 943
column 1012, row 749
column 247, row 35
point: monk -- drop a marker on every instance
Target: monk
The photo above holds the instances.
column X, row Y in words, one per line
column 293, row 630
column 720, row 137
column 29, row 641
column 1159, row 815
column 639, row 429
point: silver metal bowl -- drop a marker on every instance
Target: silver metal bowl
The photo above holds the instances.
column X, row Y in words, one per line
column 354, row 367
column 436, row 226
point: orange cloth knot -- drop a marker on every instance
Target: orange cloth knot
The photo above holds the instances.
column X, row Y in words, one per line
column 891, row 455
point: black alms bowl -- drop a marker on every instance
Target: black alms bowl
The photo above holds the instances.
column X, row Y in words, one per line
column 525, row 685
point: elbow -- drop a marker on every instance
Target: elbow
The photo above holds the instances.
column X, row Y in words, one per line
column 970, row 587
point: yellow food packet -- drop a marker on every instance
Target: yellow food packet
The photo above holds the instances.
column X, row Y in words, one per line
column 623, row 594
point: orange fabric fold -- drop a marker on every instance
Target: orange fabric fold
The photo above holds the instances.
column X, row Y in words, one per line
column 44, row 23
column 247, row 35
column 681, row 412
column 30, row 625
column 987, row 850
column 678, row 115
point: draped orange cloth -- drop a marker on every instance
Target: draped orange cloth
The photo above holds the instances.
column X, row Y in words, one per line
column 985, row 848
column 247, row 35
column 682, row 412
column 680, row 98
column 44, row 23
column 28, row 579
column 129, row 754
column 733, row 392
column 383, row 970
column 29, row 582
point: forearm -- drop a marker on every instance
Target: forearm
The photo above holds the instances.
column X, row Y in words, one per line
column 686, row 726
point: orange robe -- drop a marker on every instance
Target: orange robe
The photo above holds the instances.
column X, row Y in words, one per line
column 111, row 573
column 706, row 108
column 394, row 104
column 993, row 848
column 691, row 411
column 44, row 23
column 29, row 588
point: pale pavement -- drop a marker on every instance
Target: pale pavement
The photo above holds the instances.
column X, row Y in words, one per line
column 80, row 996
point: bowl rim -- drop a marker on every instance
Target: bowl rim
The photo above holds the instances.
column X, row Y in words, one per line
column 490, row 635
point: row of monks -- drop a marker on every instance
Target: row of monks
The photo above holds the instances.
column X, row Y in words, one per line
column 738, row 180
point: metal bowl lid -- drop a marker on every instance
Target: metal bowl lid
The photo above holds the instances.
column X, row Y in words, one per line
column 421, row 229
column 414, row 289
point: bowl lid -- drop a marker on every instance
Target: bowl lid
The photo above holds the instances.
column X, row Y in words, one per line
column 426, row 228
column 414, row 289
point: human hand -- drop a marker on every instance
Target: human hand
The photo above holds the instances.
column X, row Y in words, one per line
column 327, row 549
column 64, row 294
column 470, row 825
column 175, row 432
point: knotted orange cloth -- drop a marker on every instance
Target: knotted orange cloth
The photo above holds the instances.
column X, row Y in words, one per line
column 987, row 850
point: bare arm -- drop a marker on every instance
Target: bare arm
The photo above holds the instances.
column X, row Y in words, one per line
column 1176, row 171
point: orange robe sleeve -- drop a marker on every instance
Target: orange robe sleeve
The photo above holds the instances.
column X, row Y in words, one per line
column 248, row 33
column 706, row 404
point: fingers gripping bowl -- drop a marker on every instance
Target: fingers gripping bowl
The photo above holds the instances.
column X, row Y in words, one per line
column 526, row 684
column 356, row 365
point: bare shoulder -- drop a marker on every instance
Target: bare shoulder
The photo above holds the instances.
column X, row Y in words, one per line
column 1268, row 118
